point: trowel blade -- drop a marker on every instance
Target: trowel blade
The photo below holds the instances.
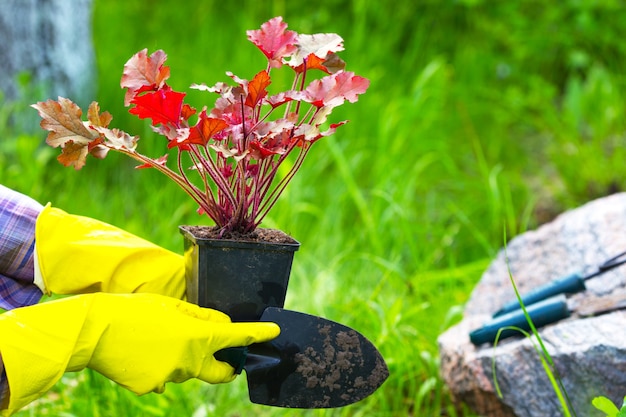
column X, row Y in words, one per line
column 314, row 363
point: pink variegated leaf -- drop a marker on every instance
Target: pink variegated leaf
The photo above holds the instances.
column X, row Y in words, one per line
column 177, row 139
column 274, row 127
column 229, row 101
column 169, row 131
column 241, row 81
column 320, row 116
column 217, row 88
column 97, row 150
column 274, row 40
column 159, row 161
column 144, row 73
column 197, row 167
column 281, row 98
column 332, row 90
column 320, row 45
column 229, row 153
column 118, row 139
column 312, row 133
column 259, row 150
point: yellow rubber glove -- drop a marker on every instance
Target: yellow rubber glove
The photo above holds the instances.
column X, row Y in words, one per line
column 76, row 255
column 140, row 341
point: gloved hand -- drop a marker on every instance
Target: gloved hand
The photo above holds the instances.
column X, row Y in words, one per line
column 140, row 341
column 76, row 255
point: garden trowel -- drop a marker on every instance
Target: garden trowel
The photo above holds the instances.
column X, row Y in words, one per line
column 314, row 363
column 546, row 312
column 569, row 284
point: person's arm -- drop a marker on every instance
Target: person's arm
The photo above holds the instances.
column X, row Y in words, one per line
column 4, row 386
column 44, row 250
column 128, row 263
column 18, row 216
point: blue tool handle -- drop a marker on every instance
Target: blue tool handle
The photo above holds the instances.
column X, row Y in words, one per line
column 541, row 313
column 234, row 356
column 568, row 285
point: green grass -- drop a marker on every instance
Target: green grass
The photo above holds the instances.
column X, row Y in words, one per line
column 479, row 117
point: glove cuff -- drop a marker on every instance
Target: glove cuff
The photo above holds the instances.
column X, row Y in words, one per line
column 76, row 255
column 41, row 342
column 38, row 279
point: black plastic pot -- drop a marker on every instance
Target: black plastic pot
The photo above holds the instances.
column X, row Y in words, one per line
column 239, row 278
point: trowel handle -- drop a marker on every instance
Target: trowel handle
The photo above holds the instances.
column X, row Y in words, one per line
column 234, row 356
column 541, row 313
column 568, row 285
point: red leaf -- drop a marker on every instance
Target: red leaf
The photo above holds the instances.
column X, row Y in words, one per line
column 257, row 88
column 162, row 106
column 312, row 62
column 332, row 90
column 330, row 65
column 274, row 40
column 203, row 131
column 187, row 111
column 144, row 73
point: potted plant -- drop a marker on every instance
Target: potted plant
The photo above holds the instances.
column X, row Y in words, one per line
column 227, row 156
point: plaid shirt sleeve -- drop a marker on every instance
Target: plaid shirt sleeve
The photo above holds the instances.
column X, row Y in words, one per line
column 18, row 214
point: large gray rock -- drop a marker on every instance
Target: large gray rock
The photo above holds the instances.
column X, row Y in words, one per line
column 589, row 353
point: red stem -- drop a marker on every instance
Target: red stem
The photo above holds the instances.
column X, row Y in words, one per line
column 209, row 166
column 208, row 194
column 269, row 202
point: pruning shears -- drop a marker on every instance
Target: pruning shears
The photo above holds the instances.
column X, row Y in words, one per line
column 548, row 304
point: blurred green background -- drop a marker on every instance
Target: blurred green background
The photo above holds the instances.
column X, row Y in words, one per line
column 482, row 117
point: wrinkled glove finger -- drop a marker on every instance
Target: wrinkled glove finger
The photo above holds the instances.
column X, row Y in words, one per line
column 216, row 372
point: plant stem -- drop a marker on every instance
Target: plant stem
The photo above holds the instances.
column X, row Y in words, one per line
column 277, row 191
column 189, row 188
